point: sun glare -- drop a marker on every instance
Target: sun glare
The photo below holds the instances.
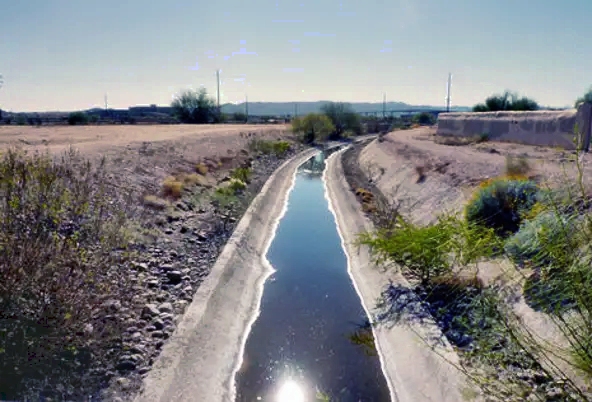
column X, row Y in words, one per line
column 290, row 392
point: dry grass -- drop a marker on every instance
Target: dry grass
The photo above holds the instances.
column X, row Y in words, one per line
column 460, row 141
column 154, row 202
column 193, row 179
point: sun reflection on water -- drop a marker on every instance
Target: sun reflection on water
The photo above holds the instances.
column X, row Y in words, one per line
column 290, row 391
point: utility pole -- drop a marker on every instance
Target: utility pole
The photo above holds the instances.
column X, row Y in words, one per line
column 106, row 105
column 384, row 106
column 448, row 93
column 295, row 109
column 247, row 108
column 218, row 90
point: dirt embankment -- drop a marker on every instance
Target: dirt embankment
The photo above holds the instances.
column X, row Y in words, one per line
column 178, row 238
column 429, row 178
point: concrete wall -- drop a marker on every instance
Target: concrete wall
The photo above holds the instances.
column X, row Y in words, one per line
column 548, row 128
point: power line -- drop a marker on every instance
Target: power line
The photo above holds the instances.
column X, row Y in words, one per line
column 218, row 86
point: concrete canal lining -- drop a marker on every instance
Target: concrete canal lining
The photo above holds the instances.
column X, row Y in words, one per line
column 415, row 370
column 198, row 362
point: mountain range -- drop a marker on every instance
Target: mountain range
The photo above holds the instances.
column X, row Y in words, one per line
column 301, row 108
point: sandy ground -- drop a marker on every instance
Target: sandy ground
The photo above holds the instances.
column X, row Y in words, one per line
column 451, row 174
column 140, row 157
column 415, row 372
column 199, row 361
column 98, row 138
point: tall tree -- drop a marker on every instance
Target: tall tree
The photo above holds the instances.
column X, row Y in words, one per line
column 194, row 107
column 343, row 117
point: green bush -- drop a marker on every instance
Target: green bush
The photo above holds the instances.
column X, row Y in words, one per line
column 501, row 203
column 242, row 174
column 420, row 251
column 547, row 239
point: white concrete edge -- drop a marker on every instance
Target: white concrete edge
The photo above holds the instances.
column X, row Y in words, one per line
column 330, row 203
column 407, row 385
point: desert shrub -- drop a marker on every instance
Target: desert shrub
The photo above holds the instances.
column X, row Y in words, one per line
column 201, row 169
column 277, row 148
column 154, row 202
column 21, row 119
column 506, row 101
column 549, row 238
column 242, row 174
column 77, row 118
column 420, row 251
column 192, row 179
column 587, row 98
column 232, row 188
column 424, row 119
column 60, row 224
column 517, row 166
column 172, row 188
column 501, row 204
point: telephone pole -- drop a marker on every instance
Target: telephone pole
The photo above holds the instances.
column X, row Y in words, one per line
column 295, row 109
column 384, row 105
column 218, row 90
column 247, row 108
column 106, row 105
column 448, row 93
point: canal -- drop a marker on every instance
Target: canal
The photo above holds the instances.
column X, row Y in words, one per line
column 311, row 339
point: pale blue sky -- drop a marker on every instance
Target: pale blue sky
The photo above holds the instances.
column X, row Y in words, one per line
column 66, row 54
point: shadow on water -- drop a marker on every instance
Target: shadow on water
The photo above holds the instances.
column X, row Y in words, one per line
column 312, row 335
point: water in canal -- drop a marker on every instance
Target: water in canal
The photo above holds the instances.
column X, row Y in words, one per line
column 310, row 335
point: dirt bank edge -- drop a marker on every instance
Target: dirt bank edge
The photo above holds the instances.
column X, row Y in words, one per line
column 414, row 371
column 198, row 362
